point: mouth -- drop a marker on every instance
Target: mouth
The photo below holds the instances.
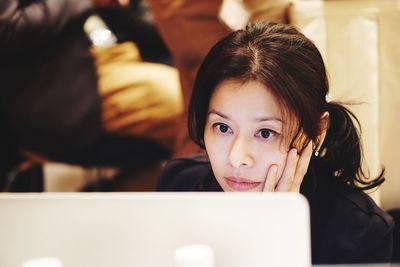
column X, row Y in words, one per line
column 241, row 184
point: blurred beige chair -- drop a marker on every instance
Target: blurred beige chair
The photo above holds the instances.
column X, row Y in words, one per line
column 359, row 42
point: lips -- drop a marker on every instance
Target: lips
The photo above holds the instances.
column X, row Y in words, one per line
column 241, row 184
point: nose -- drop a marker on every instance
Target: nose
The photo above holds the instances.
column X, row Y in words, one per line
column 240, row 153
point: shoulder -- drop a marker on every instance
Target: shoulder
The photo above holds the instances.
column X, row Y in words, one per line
column 362, row 210
column 185, row 174
column 350, row 224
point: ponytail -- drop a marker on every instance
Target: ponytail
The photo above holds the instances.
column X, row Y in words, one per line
column 341, row 155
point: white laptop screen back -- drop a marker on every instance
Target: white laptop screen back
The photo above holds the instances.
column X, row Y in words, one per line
column 144, row 229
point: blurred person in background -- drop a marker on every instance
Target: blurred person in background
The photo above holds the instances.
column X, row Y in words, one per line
column 70, row 92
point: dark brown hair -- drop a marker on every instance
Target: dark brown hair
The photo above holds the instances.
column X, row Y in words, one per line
column 290, row 65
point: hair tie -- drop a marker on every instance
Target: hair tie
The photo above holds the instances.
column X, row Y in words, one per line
column 328, row 98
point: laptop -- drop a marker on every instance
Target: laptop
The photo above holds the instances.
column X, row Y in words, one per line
column 147, row 229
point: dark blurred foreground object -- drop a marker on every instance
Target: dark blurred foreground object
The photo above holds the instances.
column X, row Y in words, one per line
column 61, row 102
column 24, row 173
column 136, row 23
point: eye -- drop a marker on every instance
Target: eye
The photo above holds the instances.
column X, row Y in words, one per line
column 265, row 133
column 222, row 128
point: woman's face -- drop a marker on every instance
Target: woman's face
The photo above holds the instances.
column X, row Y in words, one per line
column 244, row 135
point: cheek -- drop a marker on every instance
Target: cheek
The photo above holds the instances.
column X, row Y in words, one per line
column 281, row 161
column 272, row 156
column 217, row 151
column 216, row 160
column 215, row 143
column 213, row 147
column 209, row 142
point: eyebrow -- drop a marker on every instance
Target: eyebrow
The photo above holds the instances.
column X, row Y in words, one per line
column 261, row 119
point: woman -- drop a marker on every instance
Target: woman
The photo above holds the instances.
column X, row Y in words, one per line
column 261, row 110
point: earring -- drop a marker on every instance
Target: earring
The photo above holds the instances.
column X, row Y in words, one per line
column 315, row 149
column 320, row 152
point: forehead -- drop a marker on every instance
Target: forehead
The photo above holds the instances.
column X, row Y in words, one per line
column 252, row 96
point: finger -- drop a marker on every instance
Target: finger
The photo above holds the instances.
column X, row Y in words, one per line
column 286, row 180
column 270, row 182
column 302, row 167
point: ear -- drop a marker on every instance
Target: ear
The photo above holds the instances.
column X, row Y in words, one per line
column 323, row 128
